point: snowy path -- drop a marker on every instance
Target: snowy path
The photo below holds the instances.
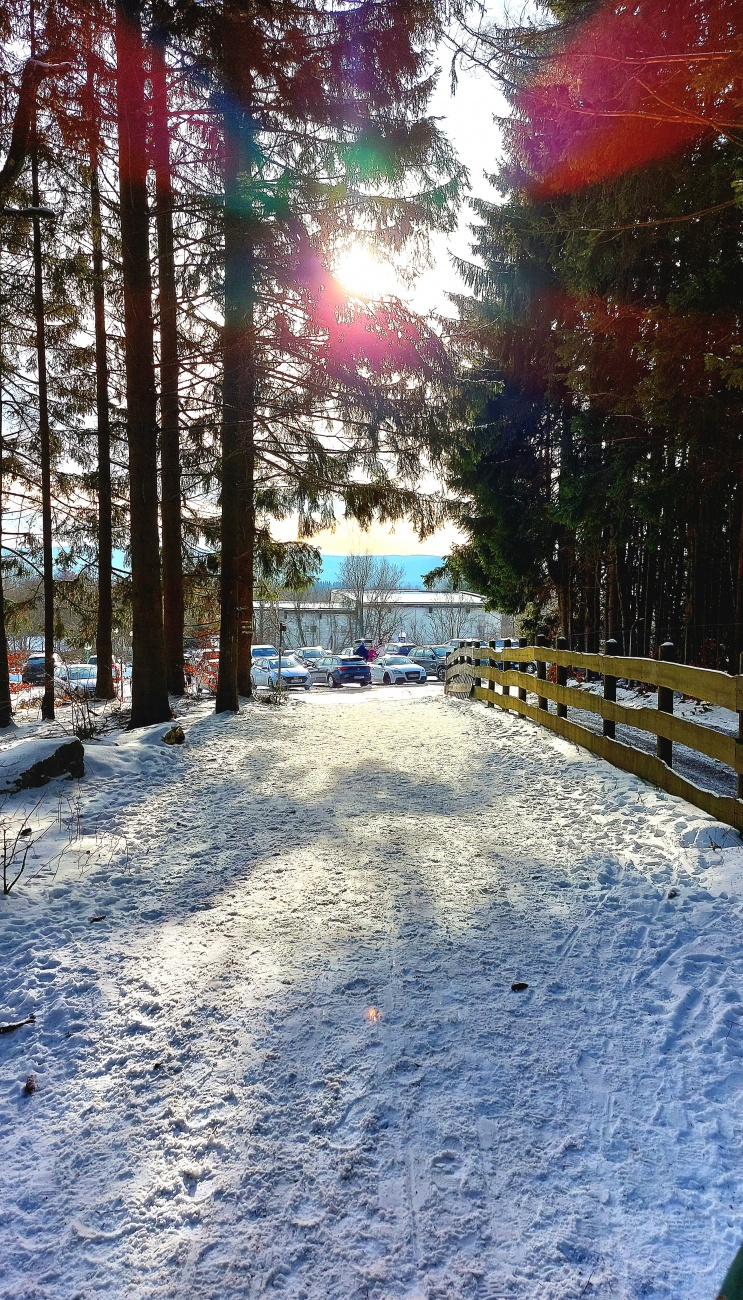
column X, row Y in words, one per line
column 289, row 1060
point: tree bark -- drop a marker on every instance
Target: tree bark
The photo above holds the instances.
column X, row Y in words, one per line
column 149, row 682
column 170, row 451
column 104, row 686
column 245, row 605
column 47, row 702
column 238, row 389
column 6, row 705
column 737, row 647
column 34, row 71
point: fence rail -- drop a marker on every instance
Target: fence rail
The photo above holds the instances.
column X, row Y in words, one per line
column 475, row 671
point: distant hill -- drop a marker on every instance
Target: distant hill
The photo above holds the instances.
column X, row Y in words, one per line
column 413, row 566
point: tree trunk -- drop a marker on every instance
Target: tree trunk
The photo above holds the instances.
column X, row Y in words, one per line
column 104, row 686
column 47, row 702
column 238, row 388
column 35, row 69
column 737, row 648
column 245, row 595
column 170, row 450
column 6, row 705
column 613, row 629
column 149, row 683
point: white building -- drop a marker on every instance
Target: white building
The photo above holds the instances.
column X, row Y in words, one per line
column 340, row 617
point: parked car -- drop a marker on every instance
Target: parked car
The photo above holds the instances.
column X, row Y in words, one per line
column 339, row 670
column 396, row 648
column 396, row 670
column 310, row 654
column 265, row 672
column 33, row 669
column 76, row 680
column 263, row 652
column 432, row 658
column 93, row 659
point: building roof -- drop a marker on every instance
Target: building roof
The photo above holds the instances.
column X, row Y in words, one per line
column 417, row 599
column 339, row 601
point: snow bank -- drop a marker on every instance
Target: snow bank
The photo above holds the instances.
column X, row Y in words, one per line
column 27, row 764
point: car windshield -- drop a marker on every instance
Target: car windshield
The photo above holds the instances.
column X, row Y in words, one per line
column 440, row 651
column 313, row 652
column 397, row 659
column 264, row 652
column 81, row 670
column 287, row 661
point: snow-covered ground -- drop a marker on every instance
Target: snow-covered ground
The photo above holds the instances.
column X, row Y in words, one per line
column 276, row 1048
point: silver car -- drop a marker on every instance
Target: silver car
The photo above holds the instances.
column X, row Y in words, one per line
column 396, row 670
column 265, row 672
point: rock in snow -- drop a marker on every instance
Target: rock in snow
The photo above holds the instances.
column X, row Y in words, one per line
column 175, row 736
column 28, row 764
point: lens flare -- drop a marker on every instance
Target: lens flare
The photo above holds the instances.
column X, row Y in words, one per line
column 360, row 272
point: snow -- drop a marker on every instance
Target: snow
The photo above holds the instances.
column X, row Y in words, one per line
column 285, row 1058
column 19, row 756
column 700, row 769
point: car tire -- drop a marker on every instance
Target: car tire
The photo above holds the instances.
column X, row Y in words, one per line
column 332, row 682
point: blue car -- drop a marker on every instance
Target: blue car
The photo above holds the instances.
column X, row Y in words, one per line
column 340, row 670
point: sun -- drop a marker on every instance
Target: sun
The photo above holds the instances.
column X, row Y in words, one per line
column 360, row 272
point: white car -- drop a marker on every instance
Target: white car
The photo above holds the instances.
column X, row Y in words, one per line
column 265, row 672
column 396, row 670
column 76, row 680
column 263, row 652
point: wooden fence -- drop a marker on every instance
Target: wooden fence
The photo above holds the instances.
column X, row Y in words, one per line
column 502, row 677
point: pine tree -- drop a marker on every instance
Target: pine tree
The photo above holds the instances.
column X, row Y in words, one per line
column 149, row 685
column 610, row 274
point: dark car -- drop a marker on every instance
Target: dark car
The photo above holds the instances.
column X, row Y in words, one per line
column 339, row 670
column 430, row 657
column 33, row 669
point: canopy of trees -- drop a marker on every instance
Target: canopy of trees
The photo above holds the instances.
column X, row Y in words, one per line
column 600, row 451
column 178, row 365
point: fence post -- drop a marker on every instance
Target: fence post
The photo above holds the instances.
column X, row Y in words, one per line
column 490, row 684
column 506, row 666
column 542, row 703
column 522, row 666
column 476, row 661
column 610, row 688
column 664, row 747
column 562, row 676
column 740, row 736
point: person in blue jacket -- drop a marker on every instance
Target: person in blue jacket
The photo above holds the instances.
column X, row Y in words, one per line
column 362, row 651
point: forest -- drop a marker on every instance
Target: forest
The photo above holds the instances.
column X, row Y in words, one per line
column 599, row 452
column 181, row 366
